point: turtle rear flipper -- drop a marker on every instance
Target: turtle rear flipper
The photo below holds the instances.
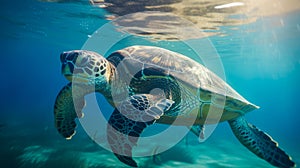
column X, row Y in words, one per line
column 130, row 119
column 260, row 143
column 198, row 130
column 65, row 110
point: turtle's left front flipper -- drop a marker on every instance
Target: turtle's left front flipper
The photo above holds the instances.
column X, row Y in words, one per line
column 68, row 106
column 260, row 143
column 129, row 120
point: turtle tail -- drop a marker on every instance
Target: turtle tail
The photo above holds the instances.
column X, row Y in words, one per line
column 260, row 143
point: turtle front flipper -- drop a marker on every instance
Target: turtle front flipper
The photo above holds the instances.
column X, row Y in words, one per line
column 129, row 120
column 65, row 110
column 260, row 143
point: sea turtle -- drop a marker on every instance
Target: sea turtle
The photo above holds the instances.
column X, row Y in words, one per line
column 164, row 86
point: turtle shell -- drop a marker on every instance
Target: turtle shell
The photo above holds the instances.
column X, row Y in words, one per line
column 188, row 71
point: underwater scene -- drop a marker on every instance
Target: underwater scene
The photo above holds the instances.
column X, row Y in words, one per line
column 254, row 46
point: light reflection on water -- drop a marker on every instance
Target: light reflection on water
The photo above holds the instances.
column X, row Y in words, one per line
column 208, row 14
column 42, row 19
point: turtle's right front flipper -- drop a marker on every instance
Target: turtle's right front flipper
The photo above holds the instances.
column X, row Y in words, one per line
column 130, row 119
column 65, row 110
column 260, row 143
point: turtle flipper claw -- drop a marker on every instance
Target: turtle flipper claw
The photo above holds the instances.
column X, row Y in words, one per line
column 127, row 160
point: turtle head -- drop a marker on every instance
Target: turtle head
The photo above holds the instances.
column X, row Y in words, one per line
column 85, row 67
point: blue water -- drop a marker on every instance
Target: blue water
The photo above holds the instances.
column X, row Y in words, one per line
column 260, row 60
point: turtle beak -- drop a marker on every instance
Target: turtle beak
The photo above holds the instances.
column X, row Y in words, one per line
column 69, row 77
column 67, row 71
column 72, row 74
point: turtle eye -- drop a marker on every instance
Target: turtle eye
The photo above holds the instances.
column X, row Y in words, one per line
column 72, row 56
column 81, row 62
